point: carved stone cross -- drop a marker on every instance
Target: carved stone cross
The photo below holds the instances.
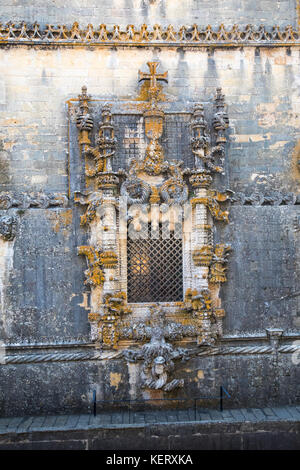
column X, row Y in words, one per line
column 153, row 76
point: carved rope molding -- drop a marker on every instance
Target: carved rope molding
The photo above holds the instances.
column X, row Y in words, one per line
column 99, row 356
column 102, row 35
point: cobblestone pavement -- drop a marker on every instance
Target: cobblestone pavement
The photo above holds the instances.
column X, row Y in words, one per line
column 142, row 418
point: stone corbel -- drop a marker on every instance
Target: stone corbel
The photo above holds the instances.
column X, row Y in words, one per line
column 158, row 356
column 219, row 260
column 274, row 335
column 8, row 227
column 92, row 201
column 94, row 274
column 211, row 202
column 199, row 304
column 114, row 309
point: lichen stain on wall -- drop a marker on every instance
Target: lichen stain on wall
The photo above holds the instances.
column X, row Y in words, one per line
column 115, row 379
column 4, row 163
column 6, row 265
column 61, row 220
column 295, row 167
column 133, row 372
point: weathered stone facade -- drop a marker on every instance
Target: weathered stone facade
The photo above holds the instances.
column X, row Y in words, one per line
column 67, row 327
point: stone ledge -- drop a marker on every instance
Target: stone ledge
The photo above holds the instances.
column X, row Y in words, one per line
column 244, row 429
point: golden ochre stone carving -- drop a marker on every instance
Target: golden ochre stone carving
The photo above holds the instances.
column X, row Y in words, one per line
column 109, row 259
column 155, row 197
column 98, row 157
column 94, row 317
column 91, row 211
column 116, row 304
column 218, row 267
column 215, row 259
column 94, row 274
column 203, row 256
column 198, row 301
column 115, row 307
column 153, row 76
column 173, row 189
column 211, row 202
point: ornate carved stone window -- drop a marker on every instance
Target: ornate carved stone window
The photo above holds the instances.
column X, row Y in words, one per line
column 152, row 268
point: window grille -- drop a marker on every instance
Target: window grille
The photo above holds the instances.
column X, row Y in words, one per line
column 154, row 269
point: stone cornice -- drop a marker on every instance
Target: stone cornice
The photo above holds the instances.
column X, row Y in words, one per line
column 145, row 36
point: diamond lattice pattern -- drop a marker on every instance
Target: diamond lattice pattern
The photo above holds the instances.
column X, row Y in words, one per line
column 154, row 269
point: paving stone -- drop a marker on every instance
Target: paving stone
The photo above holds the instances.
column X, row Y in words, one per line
column 95, row 421
column 14, row 423
column 237, row 415
column 258, row 413
column 116, row 418
column 61, row 421
column 37, row 422
column 295, row 412
column 216, row 415
column 226, row 414
column 171, row 416
column 282, row 413
column 183, row 415
column 269, row 413
column 249, row 416
column 138, row 418
column 150, row 418
column 49, row 421
column 72, row 421
column 204, row 416
column 25, row 425
column 4, row 422
column 19, row 424
column 191, row 414
column 83, row 421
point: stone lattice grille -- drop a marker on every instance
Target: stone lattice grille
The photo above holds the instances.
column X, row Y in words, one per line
column 154, row 269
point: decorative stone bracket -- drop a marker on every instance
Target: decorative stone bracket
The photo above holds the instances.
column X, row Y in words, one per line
column 158, row 356
column 8, row 227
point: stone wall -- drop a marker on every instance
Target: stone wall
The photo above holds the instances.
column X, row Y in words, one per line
column 42, row 293
column 164, row 12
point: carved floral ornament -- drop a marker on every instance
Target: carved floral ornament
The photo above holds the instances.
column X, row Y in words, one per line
column 154, row 188
column 8, row 227
column 24, row 33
